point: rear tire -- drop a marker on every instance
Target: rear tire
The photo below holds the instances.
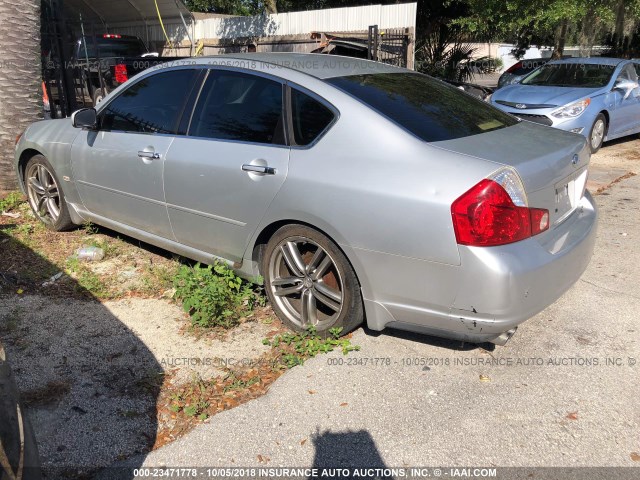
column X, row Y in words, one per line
column 597, row 133
column 309, row 281
column 45, row 195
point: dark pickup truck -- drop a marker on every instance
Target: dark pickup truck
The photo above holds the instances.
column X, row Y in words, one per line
column 101, row 63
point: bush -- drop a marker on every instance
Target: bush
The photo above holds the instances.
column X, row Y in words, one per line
column 214, row 296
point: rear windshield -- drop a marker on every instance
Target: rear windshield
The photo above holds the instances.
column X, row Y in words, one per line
column 113, row 47
column 428, row 108
column 585, row 75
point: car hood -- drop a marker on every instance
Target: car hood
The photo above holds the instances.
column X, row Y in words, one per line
column 541, row 95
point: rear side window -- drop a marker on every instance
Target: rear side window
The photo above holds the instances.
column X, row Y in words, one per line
column 152, row 105
column 239, row 106
column 310, row 118
column 428, row 108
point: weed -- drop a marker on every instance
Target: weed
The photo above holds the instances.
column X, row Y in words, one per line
column 73, row 264
column 214, row 295
column 294, row 348
column 90, row 228
column 86, row 279
column 11, row 201
column 24, row 229
column 192, row 401
column 157, row 278
column 107, row 248
column 92, row 283
column 234, row 383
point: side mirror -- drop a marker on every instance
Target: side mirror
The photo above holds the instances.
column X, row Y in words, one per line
column 626, row 87
column 85, row 118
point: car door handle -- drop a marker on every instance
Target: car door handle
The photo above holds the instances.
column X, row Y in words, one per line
column 259, row 169
column 149, row 155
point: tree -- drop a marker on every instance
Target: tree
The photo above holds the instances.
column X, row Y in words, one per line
column 549, row 22
column 270, row 6
column 441, row 44
column 228, row 7
column 20, row 78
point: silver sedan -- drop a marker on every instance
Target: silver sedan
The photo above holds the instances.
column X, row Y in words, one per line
column 358, row 191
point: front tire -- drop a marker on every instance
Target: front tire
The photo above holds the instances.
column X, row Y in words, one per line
column 310, row 282
column 596, row 135
column 46, row 198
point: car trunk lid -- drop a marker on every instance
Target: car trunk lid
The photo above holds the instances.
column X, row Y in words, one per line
column 552, row 163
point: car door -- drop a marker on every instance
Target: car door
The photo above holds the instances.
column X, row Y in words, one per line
column 221, row 178
column 625, row 117
column 119, row 167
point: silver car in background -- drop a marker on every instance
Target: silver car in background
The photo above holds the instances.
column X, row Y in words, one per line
column 357, row 190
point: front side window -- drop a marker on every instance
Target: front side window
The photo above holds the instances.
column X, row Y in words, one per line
column 239, row 106
column 430, row 109
column 151, row 105
column 310, row 118
column 581, row 75
column 628, row 73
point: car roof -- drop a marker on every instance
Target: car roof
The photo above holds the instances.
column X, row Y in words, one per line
column 317, row 65
column 591, row 61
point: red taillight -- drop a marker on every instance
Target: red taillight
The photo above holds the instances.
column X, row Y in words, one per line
column 514, row 67
column 486, row 216
column 121, row 73
column 111, row 35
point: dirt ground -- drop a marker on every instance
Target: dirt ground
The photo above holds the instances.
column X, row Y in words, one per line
column 91, row 372
column 94, row 350
column 102, row 353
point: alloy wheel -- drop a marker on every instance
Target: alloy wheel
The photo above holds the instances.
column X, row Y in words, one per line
column 43, row 193
column 597, row 134
column 306, row 283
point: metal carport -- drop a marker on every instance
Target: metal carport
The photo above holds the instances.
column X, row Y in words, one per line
column 112, row 12
column 151, row 20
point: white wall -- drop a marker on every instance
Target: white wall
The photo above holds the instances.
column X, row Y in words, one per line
column 535, row 52
column 293, row 23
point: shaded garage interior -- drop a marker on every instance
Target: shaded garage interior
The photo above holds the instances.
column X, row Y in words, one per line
column 65, row 21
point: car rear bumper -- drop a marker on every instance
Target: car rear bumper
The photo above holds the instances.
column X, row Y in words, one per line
column 497, row 288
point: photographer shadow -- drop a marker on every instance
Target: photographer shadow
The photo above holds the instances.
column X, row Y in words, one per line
column 347, row 450
column 89, row 385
